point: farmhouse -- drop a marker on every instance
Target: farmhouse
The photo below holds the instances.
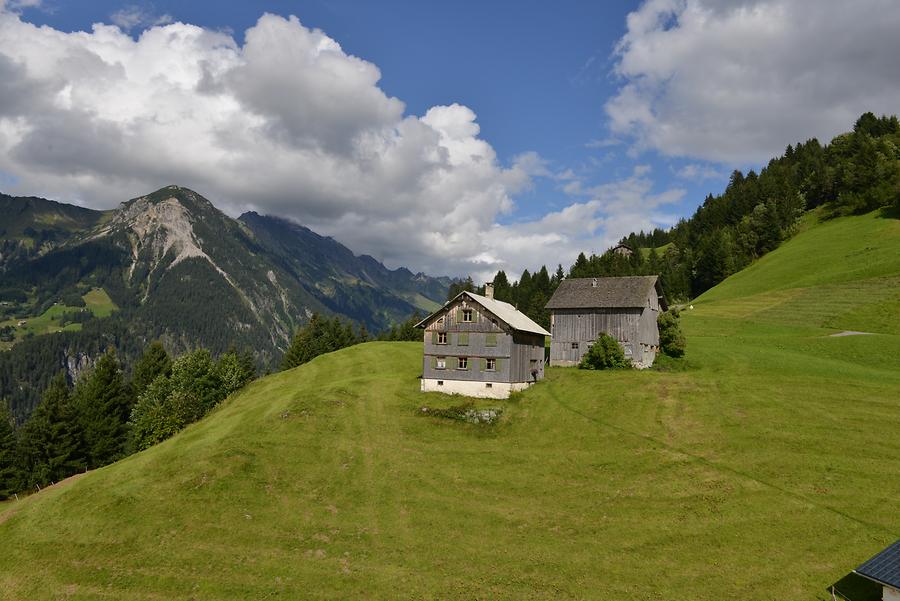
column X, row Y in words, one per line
column 621, row 250
column 478, row 346
column 878, row 579
column 626, row 308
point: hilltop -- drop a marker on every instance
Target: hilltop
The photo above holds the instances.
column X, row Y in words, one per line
column 760, row 467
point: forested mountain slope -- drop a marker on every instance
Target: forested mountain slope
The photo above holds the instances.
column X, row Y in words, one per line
column 175, row 268
column 856, row 173
column 760, row 467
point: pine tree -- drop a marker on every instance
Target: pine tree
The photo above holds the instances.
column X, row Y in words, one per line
column 104, row 405
column 51, row 444
column 248, row 363
column 559, row 276
column 152, row 363
column 9, row 464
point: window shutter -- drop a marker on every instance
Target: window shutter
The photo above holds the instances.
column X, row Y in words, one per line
column 490, row 340
column 484, row 365
column 498, row 366
column 463, row 338
column 449, row 317
column 434, row 338
column 434, row 363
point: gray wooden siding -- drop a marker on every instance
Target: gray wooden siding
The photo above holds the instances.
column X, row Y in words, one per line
column 527, row 348
column 512, row 350
column 634, row 328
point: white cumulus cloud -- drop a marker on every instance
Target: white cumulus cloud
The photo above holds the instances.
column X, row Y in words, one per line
column 286, row 123
column 735, row 81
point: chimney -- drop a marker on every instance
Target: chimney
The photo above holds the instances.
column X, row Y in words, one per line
column 489, row 290
column 594, row 283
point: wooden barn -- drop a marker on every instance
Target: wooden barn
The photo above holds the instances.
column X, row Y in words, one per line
column 621, row 250
column 478, row 346
column 626, row 308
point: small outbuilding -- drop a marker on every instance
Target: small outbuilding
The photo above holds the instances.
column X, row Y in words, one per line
column 481, row 347
column 625, row 308
column 878, row 579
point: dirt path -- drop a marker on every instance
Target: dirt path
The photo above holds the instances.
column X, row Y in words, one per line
column 849, row 333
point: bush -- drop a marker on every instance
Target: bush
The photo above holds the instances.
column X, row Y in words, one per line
column 605, row 353
column 671, row 339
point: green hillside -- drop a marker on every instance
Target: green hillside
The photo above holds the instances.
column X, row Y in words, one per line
column 762, row 467
column 840, row 274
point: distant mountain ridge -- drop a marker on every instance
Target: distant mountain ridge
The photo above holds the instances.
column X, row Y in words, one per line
column 181, row 270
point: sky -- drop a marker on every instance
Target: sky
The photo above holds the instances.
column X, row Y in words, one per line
column 452, row 138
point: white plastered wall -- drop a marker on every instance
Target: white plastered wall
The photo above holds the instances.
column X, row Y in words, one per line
column 497, row 390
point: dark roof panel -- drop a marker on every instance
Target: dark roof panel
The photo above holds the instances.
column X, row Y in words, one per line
column 600, row 293
column 884, row 567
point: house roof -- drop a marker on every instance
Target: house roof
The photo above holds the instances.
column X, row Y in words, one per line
column 603, row 293
column 504, row 311
column 884, row 568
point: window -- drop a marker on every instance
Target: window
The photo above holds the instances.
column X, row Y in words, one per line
column 462, row 363
column 442, row 338
column 490, row 364
column 488, row 385
column 462, row 339
column 575, row 345
column 490, row 340
column 440, row 319
column 440, row 382
column 441, row 363
column 468, row 315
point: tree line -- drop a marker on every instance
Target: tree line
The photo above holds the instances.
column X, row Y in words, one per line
column 856, row 173
column 106, row 417
column 324, row 335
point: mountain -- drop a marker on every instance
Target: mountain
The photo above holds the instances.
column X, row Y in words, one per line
column 762, row 466
column 347, row 284
column 170, row 265
column 32, row 226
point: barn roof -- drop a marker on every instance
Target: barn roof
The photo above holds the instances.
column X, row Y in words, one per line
column 605, row 293
column 504, row 311
column 884, row 568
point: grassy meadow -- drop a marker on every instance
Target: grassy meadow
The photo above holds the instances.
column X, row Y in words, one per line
column 96, row 301
column 763, row 466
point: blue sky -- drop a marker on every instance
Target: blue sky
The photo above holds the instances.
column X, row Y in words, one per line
column 600, row 117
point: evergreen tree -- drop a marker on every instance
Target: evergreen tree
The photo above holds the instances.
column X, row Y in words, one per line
column 9, row 464
column 155, row 361
column 103, row 402
column 51, row 444
column 559, row 276
column 581, row 268
column 466, row 285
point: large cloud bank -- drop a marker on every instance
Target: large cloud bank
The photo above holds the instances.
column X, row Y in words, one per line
column 287, row 123
column 736, row 81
